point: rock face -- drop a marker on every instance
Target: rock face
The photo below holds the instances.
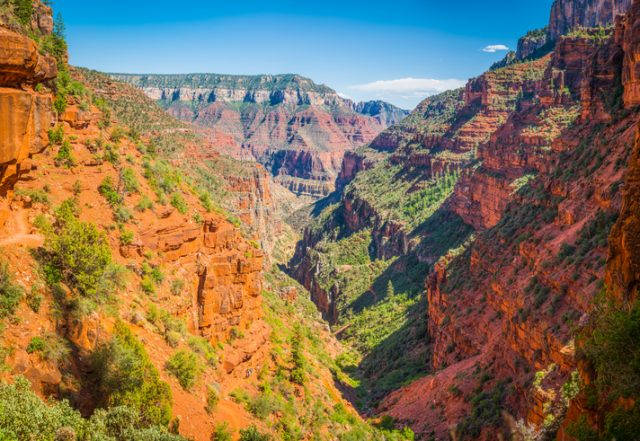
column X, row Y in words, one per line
column 299, row 130
column 225, row 271
column 623, row 268
column 539, row 253
column 570, row 14
column 532, row 43
column 541, row 149
column 630, row 30
column 25, row 114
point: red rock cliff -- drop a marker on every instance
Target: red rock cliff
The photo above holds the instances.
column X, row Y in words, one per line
column 570, row 14
column 25, row 114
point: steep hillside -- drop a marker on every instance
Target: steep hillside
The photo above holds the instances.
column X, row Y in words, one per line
column 298, row 129
column 498, row 199
column 132, row 298
column 243, row 188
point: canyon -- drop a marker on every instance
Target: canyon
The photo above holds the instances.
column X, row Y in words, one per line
column 515, row 253
column 297, row 129
column 217, row 257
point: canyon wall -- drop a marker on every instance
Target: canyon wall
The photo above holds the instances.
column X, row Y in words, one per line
column 26, row 114
column 298, row 129
column 539, row 259
column 539, row 151
column 567, row 15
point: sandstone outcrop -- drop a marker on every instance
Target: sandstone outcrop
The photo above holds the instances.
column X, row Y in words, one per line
column 25, row 114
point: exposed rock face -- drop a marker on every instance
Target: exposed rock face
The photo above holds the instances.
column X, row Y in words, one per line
column 540, row 147
column 299, row 130
column 570, row 14
column 226, row 272
column 387, row 114
column 623, row 268
column 531, row 43
column 20, row 61
column 630, row 28
column 25, row 115
column 515, row 281
column 352, row 164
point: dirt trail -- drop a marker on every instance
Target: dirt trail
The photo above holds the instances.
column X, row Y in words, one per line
column 16, row 232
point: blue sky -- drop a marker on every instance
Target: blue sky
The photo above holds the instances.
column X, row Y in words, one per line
column 398, row 50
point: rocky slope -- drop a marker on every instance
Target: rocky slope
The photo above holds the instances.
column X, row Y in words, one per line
column 25, row 114
column 513, row 255
column 298, row 129
column 133, row 281
column 243, row 188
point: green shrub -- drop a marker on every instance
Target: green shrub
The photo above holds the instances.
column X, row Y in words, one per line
column 111, row 155
column 36, row 196
column 485, row 412
column 117, row 134
column 263, row 404
column 24, row 416
column 298, row 374
column 56, row 135
column 36, row 344
column 77, row 188
column 612, row 348
column 122, row 214
column 145, row 204
column 129, row 180
column 34, row 299
column 202, row 346
column 177, row 286
column 147, row 286
column 126, row 377
column 206, row 201
column 126, row 237
column 221, row 432
column 78, row 254
column 108, row 190
column 156, row 275
column 64, row 158
column 252, row 433
column 185, row 367
column 172, row 328
column 10, row 293
column 179, row 203
column 51, row 348
column 213, row 397
column 162, row 177
column 23, row 9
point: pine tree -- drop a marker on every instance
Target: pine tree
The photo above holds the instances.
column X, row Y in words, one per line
column 59, row 28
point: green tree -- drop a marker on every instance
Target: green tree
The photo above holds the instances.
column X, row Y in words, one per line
column 390, row 290
column 298, row 374
column 185, row 367
column 127, row 377
column 23, row 9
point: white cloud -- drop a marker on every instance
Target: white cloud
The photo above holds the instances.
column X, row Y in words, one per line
column 410, row 86
column 344, row 95
column 492, row 48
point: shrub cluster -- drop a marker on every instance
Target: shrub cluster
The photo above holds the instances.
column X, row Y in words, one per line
column 126, row 376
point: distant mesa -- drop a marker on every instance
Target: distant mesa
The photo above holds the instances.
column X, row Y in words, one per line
column 295, row 127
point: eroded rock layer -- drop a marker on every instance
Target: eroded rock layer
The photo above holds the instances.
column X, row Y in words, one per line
column 298, row 129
